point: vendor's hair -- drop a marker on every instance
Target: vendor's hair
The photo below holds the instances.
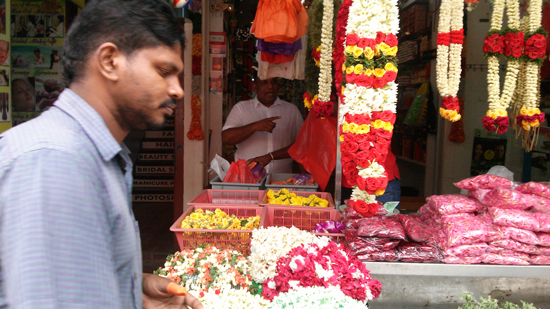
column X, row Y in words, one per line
column 129, row 24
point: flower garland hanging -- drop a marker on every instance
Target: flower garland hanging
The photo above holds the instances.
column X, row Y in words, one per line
column 340, row 44
column 530, row 117
column 499, row 43
column 450, row 38
column 323, row 105
column 367, row 113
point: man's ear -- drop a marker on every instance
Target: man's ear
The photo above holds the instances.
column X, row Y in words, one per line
column 108, row 60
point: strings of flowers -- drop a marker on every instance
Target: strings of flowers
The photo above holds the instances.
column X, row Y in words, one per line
column 530, row 117
column 507, row 43
column 340, row 43
column 367, row 114
column 450, row 38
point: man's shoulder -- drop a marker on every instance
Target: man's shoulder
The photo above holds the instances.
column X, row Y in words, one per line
column 244, row 103
column 289, row 106
column 52, row 130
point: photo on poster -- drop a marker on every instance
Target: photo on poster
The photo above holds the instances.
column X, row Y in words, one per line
column 4, row 78
column 3, row 16
column 23, row 94
column 487, row 152
column 36, row 57
column 55, row 26
column 47, row 91
column 27, row 26
column 4, row 53
column 5, row 107
column 38, row 6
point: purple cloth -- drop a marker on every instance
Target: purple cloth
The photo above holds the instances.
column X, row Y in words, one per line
column 279, row 48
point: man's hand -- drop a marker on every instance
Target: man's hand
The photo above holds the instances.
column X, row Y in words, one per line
column 266, row 124
column 262, row 161
column 156, row 296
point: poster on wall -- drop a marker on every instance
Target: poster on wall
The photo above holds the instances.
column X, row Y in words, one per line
column 487, row 152
column 36, row 57
column 3, row 16
column 4, row 53
column 5, row 107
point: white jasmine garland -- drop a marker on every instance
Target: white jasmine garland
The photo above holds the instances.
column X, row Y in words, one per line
column 325, row 74
column 360, row 195
column 532, row 70
column 362, row 100
column 367, row 17
column 374, row 170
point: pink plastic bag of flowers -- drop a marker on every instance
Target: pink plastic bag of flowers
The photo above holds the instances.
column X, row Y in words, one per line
column 376, row 243
column 543, row 222
column 462, row 260
column 464, row 230
column 491, row 258
column 485, row 181
column 426, row 210
column 467, row 250
column 516, row 246
column 544, row 250
column 507, row 252
column 514, row 218
column 544, row 239
column 388, row 227
column 541, row 205
column 539, row 260
column 479, row 194
column 417, row 253
column 388, row 256
column 418, row 230
column 453, row 204
column 534, row 188
column 524, row 236
column 351, row 224
column 509, row 199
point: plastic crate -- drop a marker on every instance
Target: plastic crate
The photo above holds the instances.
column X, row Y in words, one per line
column 218, row 184
column 211, row 197
column 323, row 195
column 238, row 240
column 304, row 218
column 282, row 177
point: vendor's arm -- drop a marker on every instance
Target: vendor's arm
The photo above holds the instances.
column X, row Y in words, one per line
column 55, row 244
column 156, row 295
column 277, row 155
column 234, row 136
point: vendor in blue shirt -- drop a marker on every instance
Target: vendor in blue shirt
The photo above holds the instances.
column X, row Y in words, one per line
column 68, row 237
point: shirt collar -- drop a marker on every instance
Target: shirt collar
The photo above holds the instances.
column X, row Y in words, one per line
column 257, row 102
column 91, row 122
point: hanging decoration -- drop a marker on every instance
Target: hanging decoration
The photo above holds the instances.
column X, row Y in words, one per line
column 367, row 113
column 528, row 116
column 507, row 43
column 339, row 44
column 450, row 38
column 195, row 129
column 323, row 106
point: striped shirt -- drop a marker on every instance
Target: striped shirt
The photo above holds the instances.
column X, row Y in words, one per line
column 68, row 236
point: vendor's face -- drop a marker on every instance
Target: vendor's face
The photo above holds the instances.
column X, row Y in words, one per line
column 23, row 96
column 267, row 90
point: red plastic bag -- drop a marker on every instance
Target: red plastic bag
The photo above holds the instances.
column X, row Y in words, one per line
column 453, row 204
column 464, row 229
column 516, row 246
column 462, row 260
column 514, row 218
column 409, row 252
column 524, row 236
column 491, row 258
column 509, row 199
column 239, row 172
column 381, row 227
column 387, row 256
column 467, row 250
column 315, row 147
column 507, row 252
column 485, row 181
column 539, row 260
column 417, row 230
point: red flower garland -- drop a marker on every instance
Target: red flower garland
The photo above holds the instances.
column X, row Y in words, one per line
column 535, row 47
column 338, row 53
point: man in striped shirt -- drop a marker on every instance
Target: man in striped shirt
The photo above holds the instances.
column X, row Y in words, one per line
column 68, row 237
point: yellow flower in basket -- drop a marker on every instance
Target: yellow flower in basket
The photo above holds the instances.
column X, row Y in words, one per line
column 249, row 226
column 270, row 194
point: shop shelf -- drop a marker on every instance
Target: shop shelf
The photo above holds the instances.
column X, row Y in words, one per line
column 323, row 195
column 277, row 177
column 218, row 184
column 238, row 240
column 211, row 197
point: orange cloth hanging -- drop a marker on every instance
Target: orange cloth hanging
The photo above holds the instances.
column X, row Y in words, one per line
column 276, row 58
column 280, row 21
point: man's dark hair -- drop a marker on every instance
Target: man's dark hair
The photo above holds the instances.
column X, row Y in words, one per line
column 129, row 24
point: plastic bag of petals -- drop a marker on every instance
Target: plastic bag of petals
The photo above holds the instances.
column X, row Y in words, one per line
column 372, row 244
column 417, row 253
column 389, row 227
column 479, row 194
column 539, row 260
column 514, row 218
column 543, row 250
column 351, row 224
column 388, row 256
column 462, row 260
column 426, row 210
column 534, row 188
column 465, row 229
column 524, row 236
column 491, row 258
column 509, row 199
column 543, row 222
column 485, row 181
column 418, row 230
column 467, row 250
column 516, row 246
column 507, row 252
column 541, row 205
column 350, row 213
column 544, row 239
column 453, row 204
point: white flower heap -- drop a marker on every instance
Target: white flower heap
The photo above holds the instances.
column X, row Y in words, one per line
column 369, row 98
column 450, row 38
column 498, row 44
column 219, row 278
column 316, row 297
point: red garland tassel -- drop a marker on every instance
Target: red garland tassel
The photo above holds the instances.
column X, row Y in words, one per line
column 195, row 129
